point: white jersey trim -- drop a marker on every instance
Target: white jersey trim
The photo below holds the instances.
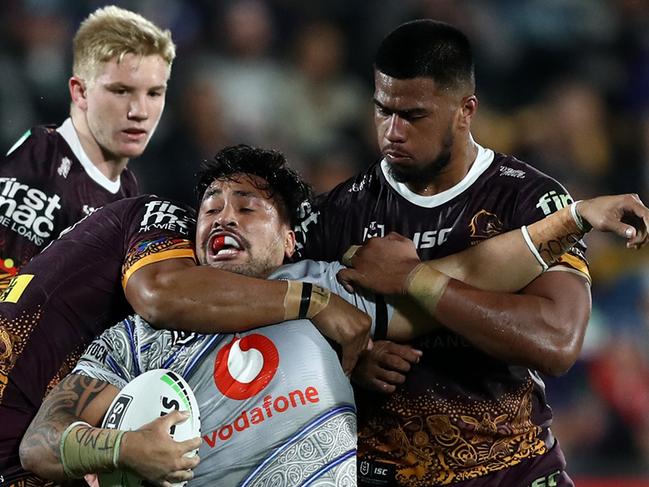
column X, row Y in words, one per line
column 69, row 133
column 482, row 161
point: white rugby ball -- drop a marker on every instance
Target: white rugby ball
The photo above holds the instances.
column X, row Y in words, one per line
column 147, row 397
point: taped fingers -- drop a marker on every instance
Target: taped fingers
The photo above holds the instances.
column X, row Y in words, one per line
column 349, row 254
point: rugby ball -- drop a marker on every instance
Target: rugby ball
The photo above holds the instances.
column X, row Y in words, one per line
column 147, row 397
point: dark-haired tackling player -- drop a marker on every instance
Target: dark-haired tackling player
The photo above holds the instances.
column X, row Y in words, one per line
column 275, row 405
column 134, row 254
column 472, row 410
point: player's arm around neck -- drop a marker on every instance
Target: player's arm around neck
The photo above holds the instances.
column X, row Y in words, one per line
column 63, row 443
column 176, row 293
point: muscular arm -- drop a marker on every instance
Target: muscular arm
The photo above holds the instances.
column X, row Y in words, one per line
column 75, row 398
column 542, row 327
column 178, row 293
column 149, row 451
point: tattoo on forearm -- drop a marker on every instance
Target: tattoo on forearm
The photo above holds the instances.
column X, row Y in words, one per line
column 551, row 250
column 65, row 404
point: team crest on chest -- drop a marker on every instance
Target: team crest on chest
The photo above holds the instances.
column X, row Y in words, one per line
column 483, row 225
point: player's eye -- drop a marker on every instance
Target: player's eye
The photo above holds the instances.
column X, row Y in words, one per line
column 381, row 111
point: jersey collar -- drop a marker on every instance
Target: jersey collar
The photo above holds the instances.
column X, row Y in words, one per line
column 70, row 135
column 483, row 160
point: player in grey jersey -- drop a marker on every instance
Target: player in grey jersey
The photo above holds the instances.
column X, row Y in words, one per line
column 274, row 401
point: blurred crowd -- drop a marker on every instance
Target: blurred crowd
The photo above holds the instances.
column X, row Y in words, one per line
column 562, row 84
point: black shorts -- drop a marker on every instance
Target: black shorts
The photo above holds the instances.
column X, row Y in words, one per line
column 543, row 471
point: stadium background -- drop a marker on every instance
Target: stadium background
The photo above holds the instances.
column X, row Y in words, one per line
column 563, row 84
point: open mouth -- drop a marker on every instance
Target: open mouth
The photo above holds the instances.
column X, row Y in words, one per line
column 224, row 246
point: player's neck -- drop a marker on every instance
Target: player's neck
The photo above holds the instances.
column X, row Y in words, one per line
column 462, row 158
column 109, row 165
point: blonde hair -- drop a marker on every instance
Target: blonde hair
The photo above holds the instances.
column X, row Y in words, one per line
column 112, row 32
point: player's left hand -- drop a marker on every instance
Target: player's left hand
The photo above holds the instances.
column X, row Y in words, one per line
column 624, row 215
column 348, row 326
column 381, row 265
column 383, row 368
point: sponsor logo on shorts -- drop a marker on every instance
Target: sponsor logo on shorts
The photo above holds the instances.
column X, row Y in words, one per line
column 27, row 211
column 376, row 473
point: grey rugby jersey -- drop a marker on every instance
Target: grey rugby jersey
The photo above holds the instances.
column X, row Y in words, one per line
column 275, row 405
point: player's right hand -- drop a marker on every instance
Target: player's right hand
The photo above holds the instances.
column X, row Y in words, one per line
column 346, row 325
column 385, row 366
column 153, row 454
column 381, row 265
column 623, row 214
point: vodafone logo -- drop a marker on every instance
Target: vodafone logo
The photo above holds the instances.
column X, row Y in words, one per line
column 245, row 366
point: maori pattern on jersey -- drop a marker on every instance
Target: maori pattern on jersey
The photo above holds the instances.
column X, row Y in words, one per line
column 146, row 248
column 14, row 335
column 322, row 453
column 463, row 441
column 132, row 339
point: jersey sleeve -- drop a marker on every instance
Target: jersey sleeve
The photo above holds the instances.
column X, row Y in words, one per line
column 324, row 274
column 159, row 230
column 544, row 198
column 322, row 230
column 111, row 357
column 310, row 231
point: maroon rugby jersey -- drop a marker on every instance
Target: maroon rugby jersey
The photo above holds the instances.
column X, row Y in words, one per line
column 47, row 182
column 461, row 414
column 69, row 294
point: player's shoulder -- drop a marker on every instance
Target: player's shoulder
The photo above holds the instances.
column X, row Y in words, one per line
column 38, row 147
column 508, row 169
column 354, row 190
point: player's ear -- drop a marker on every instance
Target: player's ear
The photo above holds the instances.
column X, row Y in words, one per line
column 78, row 92
column 289, row 244
column 468, row 108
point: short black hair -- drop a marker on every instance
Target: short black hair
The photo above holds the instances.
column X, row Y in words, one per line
column 283, row 184
column 429, row 49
